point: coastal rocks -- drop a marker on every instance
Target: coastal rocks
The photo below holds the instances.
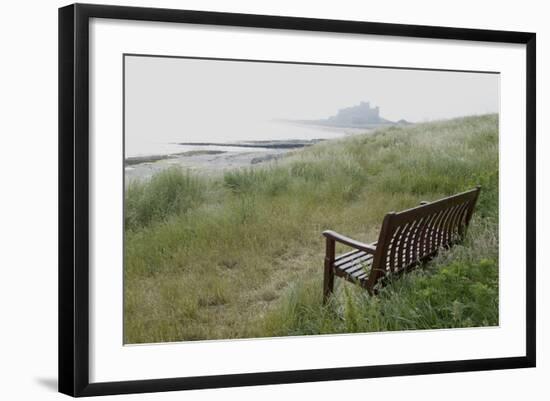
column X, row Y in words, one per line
column 275, row 144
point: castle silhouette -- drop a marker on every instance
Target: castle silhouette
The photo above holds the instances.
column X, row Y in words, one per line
column 357, row 115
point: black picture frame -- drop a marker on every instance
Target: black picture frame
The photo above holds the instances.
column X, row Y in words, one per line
column 74, row 198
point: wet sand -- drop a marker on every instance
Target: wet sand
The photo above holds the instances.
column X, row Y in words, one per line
column 211, row 158
column 201, row 162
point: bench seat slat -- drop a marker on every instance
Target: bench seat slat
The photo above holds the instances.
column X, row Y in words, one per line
column 350, row 263
column 355, row 268
column 350, row 258
column 360, row 273
column 347, row 254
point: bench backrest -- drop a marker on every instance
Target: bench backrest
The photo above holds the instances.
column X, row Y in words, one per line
column 415, row 235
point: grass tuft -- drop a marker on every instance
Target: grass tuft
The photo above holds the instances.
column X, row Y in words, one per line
column 168, row 193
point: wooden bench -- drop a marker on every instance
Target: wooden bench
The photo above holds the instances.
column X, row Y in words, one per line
column 406, row 239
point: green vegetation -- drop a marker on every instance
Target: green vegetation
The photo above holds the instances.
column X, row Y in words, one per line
column 241, row 255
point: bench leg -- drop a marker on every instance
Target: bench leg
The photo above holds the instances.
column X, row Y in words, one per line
column 328, row 282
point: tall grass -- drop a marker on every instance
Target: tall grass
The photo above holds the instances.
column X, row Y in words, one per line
column 240, row 255
column 166, row 194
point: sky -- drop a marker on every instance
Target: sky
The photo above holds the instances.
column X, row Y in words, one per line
column 190, row 99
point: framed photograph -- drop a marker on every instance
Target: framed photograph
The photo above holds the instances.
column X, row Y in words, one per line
column 251, row 199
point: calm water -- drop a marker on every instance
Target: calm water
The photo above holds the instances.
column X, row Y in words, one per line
column 166, row 143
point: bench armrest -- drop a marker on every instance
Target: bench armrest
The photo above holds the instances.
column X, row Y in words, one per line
column 350, row 242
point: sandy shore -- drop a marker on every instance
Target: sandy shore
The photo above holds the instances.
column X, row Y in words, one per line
column 200, row 161
column 214, row 158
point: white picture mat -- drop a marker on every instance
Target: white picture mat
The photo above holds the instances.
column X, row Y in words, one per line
column 111, row 361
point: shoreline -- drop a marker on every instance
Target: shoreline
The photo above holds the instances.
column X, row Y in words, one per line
column 201, row 162
column 265, row 144
column 133, row 160
column 209, row 161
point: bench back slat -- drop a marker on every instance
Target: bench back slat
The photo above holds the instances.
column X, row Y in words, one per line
column 415, row 235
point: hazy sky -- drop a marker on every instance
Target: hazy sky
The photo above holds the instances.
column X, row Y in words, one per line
column 168, row 96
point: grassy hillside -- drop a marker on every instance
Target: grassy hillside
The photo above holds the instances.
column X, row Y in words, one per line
column 241, row 255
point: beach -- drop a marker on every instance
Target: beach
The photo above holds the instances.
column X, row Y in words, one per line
column 204, row 162
column 208, row 158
